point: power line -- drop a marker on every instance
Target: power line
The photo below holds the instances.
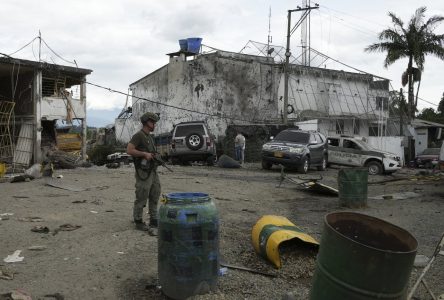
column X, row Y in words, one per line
column 71, row 62
column 169, row 105
column 24, row 46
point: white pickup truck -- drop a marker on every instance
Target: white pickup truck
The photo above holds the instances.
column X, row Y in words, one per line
column 352, row 151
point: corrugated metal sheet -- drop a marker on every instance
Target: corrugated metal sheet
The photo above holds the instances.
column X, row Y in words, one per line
column 23, row 150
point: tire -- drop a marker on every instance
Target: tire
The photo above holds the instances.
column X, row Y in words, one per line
column 194, row 141
column 324, row 164
column 303, row 168
column 266, row 165
column 374, row 168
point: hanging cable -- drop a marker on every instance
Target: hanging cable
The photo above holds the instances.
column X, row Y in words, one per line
column 23, row 46
column 71, row 62
column 169, row 105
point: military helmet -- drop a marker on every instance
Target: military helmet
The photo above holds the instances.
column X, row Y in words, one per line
column 149, row 116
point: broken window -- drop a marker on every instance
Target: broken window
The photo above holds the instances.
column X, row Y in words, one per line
column 381, row 103
column 340, row 126
column 333, row 142
column 53, row 86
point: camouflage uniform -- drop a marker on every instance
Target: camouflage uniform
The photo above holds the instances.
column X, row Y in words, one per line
column 147, row 181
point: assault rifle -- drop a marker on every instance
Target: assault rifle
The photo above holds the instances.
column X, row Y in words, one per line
column 156, row 159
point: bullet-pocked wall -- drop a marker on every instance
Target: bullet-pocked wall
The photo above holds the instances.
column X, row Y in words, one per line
column 221, row 88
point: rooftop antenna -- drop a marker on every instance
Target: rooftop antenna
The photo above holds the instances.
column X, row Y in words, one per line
column 270, row 38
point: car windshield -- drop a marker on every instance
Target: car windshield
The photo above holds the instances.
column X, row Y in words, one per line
column 431, row 151
column 292, row 136
column 191, row 128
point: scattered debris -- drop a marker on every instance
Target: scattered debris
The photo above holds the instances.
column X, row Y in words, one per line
column 6, row 274
column 20, row 197
column 14, row 257
column 34, row 171
column 16, row 295
column 5, row 218
column 66, row 227
column 40, row 229
column 109, row 210
column 270, row 231
column 6, row 214
column 421, row 261
column 421, row 279
column 396, row 196
column 97, row 202
column 93, row 211
column 31, row 219
column 223, row 271
column 57, row 184
column 224, row 264
column 37, row 248
column 308, row 184
column 56, row 296
column 79, row 201
column 225, row 161
column 21, row 178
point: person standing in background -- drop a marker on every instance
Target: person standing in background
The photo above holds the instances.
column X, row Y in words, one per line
column 239, row 147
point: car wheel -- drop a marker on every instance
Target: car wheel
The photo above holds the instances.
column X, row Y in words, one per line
column 194, row 141
column 374, row 168
column 323, row 165
column 266, row 165
column 303, row 168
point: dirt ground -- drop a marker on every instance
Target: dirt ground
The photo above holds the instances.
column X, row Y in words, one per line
column 107, row 259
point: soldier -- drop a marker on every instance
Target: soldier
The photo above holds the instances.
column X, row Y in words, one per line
column 142, row 148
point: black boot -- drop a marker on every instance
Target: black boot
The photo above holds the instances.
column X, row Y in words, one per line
column 140, row 225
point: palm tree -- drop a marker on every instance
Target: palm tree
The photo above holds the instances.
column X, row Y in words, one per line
column 414, row 42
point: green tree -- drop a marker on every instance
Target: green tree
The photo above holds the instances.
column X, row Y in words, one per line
column 441, row 106
column 414, row 41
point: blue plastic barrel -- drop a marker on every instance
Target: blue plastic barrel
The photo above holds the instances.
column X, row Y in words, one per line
column 183, row 45
column 188, row 245
column 194, row 44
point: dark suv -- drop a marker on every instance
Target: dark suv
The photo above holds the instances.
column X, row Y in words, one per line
column 296, row 148
column 192, row 141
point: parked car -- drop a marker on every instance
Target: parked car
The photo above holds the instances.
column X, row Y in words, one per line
column 354, row 151
column 296, row 148
column 427, row 158
column 192, row 141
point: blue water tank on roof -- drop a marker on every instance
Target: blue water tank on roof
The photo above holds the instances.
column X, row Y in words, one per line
column 183, row 45
column 194, row 44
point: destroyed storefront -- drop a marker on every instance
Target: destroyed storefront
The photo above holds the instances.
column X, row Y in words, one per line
column 42, row 108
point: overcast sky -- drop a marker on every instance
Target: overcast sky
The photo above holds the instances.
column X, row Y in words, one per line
column 122, row 41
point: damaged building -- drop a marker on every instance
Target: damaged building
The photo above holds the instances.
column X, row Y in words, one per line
column 39, row 103
column 225, row 88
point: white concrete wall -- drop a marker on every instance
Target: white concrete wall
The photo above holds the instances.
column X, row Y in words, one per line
column 308, row 125
column 227, row 88
column 125, row 128
column 393, row 144
column 421, row 139
column 55, row 108
column 330, row 93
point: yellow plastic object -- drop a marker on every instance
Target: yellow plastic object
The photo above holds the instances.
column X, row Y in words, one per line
column 270, row 231
column 2, row 169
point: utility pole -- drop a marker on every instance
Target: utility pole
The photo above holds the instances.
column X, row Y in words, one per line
column 288, row 54
column 40, row 44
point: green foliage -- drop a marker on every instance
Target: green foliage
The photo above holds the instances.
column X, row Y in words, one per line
column 98, row 154
column 429, row 114
column 413, row 41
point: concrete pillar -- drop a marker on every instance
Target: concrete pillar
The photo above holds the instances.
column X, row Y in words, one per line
column 84, row 125
column 37, row 100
